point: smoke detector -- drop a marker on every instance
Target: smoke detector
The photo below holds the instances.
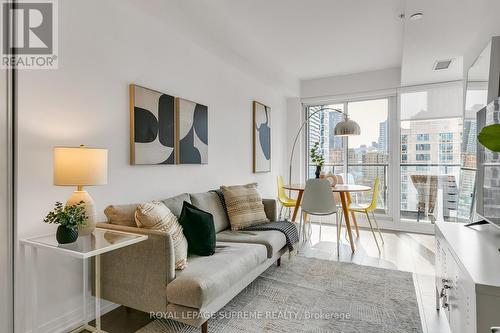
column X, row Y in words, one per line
column 442, row 64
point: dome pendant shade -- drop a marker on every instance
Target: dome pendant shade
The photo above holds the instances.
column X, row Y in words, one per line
column 347, row 127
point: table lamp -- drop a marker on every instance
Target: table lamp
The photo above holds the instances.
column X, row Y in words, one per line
column 81, row 166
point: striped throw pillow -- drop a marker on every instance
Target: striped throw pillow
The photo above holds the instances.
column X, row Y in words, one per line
column 155, row 215
column 244, row 206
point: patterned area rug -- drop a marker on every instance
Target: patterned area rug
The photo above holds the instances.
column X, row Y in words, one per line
column 312, row 295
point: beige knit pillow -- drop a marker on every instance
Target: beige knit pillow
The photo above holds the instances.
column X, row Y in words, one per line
column 244, row 206
column 156, row 216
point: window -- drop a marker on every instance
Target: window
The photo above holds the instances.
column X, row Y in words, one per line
column 368, row 152
column 431, row 124
column 446, row 137
column 430, row 152
column 423, row 137
column 359, row 159
column 421, row 146
column 320, row 129
column 423, row 157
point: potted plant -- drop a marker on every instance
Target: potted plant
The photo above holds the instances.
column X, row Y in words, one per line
column 68, row 218
column 317, row 158
column 490, row 137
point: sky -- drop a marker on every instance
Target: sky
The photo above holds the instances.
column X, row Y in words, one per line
column 368, row 114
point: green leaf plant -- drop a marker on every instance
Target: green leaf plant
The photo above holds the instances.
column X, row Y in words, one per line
column 490, row 137
column 316, row 156
column 70, row 216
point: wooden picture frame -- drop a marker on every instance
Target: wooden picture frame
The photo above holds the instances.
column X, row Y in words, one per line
column 152, row 127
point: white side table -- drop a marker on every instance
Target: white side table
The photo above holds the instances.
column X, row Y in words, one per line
column 93, row 245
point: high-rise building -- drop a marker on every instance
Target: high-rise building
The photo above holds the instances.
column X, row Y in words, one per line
column 319, row 132
column 336, row 142
column 382, row 137
column 432, row 148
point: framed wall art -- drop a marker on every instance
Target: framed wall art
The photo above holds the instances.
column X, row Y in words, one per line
column 152, row 126
column 261, row 137
column 192, row 132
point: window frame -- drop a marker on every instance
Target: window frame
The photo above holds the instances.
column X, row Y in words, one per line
column 391, row 122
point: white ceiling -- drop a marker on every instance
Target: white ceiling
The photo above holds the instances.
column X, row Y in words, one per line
column 318, row 38
column 303, row 39
column 447, row 31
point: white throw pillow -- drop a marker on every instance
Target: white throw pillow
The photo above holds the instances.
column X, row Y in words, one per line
column 155, row 215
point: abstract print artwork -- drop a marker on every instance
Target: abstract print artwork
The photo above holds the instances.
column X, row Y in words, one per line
column 152, row 126
column 192, row 132
column 261, row 137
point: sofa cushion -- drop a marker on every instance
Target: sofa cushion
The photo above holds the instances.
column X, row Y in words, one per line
column 121, row 214
column 124, row 214
column 244, row 206
column 198, row 227
column 210, row 202
column 175, row 203
column 272, row 239
column 155, row 215
column 206, row 278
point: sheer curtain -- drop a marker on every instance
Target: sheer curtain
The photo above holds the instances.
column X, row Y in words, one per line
column 431, row 134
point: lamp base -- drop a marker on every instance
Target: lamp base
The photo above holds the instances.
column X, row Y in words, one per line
column 90, row 211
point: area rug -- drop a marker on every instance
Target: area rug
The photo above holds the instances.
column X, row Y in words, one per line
column 312, row 295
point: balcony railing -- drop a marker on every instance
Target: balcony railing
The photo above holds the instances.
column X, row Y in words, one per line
column 365, row 174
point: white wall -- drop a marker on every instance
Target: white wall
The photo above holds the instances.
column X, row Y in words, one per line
column 104, row 46
column 351, row 84
column 295, row 117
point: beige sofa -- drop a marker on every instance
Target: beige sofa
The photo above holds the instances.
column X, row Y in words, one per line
column 143, row 276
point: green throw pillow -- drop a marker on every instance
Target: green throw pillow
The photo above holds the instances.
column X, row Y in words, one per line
column 198, row 227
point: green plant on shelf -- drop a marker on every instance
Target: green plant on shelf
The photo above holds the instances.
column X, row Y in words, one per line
column 70, row 216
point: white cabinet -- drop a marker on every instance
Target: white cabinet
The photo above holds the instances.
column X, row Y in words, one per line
column 468, row 276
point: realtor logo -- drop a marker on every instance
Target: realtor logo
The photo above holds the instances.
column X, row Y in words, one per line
column 29, row 34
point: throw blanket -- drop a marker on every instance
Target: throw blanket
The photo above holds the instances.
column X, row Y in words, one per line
column 287, row 228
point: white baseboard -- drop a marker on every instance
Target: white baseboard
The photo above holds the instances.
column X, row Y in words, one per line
column 73, row 319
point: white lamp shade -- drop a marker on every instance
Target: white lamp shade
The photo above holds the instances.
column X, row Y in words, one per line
column 78, row 166
column 347, row 127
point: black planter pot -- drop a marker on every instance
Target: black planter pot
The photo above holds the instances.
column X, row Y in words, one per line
column 66, row 235
column 318, row 171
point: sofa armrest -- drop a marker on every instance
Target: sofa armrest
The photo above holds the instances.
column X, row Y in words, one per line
column 270, row 209
column 137, row 275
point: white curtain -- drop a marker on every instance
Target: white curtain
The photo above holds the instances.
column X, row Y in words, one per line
column 431, row 101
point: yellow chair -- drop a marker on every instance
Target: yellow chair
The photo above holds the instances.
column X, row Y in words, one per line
column 370, row 208
column 285, row 200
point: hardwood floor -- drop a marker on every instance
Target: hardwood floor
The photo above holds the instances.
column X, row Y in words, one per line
column 401, row 251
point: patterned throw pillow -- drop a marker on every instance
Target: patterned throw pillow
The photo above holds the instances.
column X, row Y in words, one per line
column 155, row 215
column 244, row 206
